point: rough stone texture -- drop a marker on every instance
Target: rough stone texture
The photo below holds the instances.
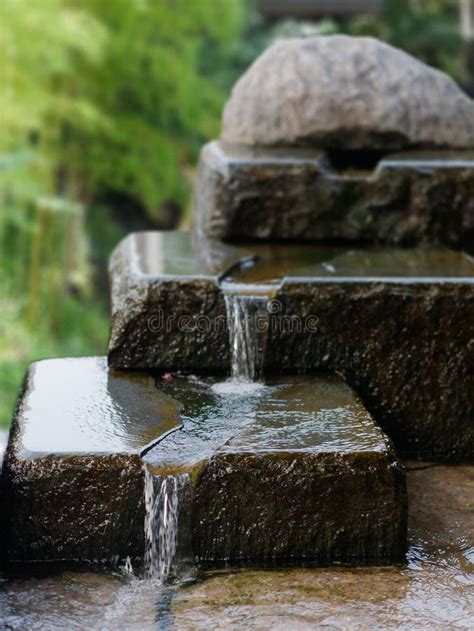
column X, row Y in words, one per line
column 432, row 591
column 75, row 509
column 154, row 306
column 294, row 194
column 346, row 92
column 81, row 499
column 405, row 342
column 296, row 469
column 146, row 339
column 325, row 507
column 406, row 348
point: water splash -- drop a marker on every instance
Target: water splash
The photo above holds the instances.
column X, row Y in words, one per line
column 247, row 322
column 127, row 568
column 161, row 523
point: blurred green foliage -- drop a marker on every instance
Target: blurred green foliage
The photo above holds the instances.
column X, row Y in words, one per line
column 154, row 91
column 428, row 29
column 97, row 99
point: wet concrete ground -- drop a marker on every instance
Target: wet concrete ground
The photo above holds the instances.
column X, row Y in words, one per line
column 435, row 590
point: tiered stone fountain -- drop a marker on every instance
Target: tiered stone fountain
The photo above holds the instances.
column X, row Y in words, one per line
column 335, row 153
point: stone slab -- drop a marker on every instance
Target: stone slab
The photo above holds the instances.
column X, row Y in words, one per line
column 74, row 470
column 73, row 473
column 293, row 469
column 296, row 194
column 399, row 324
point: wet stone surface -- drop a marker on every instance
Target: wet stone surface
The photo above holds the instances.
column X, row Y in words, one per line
column 433, row 591
column 299, row 458
column 305, row 194
column 162, row 286
column 73, row 474
column 401, row 346
column 288, row 470
column 389, row 320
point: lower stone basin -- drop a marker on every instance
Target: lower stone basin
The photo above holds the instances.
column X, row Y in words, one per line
column 292, row 469
column 433, row 590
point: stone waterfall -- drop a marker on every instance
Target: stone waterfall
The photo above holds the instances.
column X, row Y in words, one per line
column 161, row 524
column 298, row 470
column 247, row 319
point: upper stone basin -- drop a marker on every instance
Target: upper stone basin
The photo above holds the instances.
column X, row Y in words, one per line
column 389, row 320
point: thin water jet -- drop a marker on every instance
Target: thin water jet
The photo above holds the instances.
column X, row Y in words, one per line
column 247, row 317
column 161, row 523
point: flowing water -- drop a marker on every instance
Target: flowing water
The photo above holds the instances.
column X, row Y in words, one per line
column 300, row 413
column 210, row 418
column 161, row 523
column 247, row 322
column 247, row 316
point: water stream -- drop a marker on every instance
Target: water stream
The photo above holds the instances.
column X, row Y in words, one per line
column 247, row 318
column 161, row 523
column 248, row 323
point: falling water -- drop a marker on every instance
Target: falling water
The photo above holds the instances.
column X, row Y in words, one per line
column 161, row 522
column 247, row 322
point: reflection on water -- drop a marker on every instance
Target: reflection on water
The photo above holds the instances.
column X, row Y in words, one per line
column 95, row 410
column 434, row 591
column 171, row 254
column 422, row 262
column 301, row 414
column 278, row 262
